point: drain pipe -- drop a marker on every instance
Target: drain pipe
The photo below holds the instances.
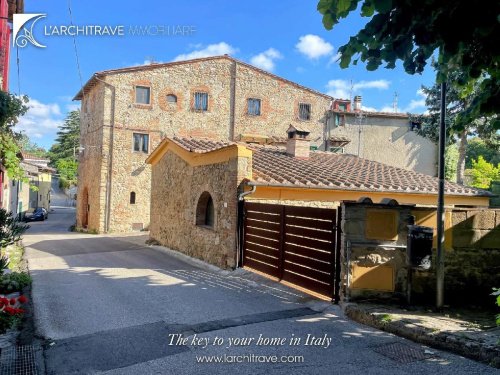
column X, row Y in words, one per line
column 239, row 229
column 110, row 157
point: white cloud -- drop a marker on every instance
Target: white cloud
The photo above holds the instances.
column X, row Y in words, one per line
column 218, row 49
column 387, row 108
column 341, row 88
column 266, row 60
column 41, row 121
column 416, row 103
column 313, row 46
column 368, row 109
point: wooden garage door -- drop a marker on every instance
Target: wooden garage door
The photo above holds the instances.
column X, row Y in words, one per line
column 294, row 244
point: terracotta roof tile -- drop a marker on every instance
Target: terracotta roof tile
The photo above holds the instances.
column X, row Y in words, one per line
column 271, row 165
column 200, row 145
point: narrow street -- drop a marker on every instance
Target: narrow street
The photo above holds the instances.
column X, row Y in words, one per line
column 108, row 305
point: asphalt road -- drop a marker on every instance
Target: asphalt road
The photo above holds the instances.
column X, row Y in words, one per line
column 111, row 305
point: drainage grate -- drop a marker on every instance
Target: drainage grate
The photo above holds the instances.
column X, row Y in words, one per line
column 401, row 353
column 18, row 360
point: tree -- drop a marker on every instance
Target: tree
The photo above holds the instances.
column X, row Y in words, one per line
column 11, row 108
column 10, row 229
column 63, row 153
column 27, row 145
column 490, row 151
column 68, row 139
column 458, row 101
column 411, row 31
column 484, row 173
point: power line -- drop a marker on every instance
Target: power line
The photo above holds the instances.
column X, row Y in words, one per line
column 76, row 49
column 18, row 74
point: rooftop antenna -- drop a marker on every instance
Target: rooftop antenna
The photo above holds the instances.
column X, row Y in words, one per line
column 150, row 59
column 350, row 93
column 395, row 102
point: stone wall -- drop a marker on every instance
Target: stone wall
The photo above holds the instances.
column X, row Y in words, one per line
column 389, row 141
column 176, row 189
column 93, row 160
column 161, row 119
column 373, row 254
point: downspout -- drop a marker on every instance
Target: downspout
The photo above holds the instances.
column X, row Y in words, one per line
column 110, row 157
column 240, row 232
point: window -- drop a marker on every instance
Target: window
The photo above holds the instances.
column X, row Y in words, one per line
column 171, row 98
column 201, row 101
column 141, row 142
column 304, row 111
column 142, row 95
column 253, row 106
column 132, row 197
column 205, row 211
column 342, row 107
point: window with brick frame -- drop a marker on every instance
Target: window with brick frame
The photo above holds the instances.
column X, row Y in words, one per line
column 200, row 102
column 171, row 98
column 253, row 106
column 205, row 211
column 141, row 142
column 142, row 95
column 304, row 111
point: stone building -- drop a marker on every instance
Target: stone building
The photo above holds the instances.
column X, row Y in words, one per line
column 125, row 113
column 203, row 179
column 389, row 138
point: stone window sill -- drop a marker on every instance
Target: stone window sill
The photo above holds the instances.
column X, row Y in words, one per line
column 143, row 106
column 207, row 227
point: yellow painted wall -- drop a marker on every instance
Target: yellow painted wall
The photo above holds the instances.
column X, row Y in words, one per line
column 285, row 193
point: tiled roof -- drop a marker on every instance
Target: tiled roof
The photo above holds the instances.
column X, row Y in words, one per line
column 200, row 145
column 324, row 170
column 28, row 156
column 93, row 80
column 272, row 166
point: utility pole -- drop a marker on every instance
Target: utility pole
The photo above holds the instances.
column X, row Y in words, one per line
column 440, row 207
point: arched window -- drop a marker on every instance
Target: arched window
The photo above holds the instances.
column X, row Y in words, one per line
column 171, row 98
column 132, row 197
column 205, row 211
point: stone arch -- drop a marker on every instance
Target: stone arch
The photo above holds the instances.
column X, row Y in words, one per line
column 84, row 215
column 205, row 210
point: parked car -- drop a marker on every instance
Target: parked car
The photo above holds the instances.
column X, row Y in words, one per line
column 40, row 214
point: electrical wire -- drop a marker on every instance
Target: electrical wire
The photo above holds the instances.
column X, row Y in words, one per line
column 76, row 50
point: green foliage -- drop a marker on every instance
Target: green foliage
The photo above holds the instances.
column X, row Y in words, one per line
column 412, row 30
column 11, row 228
column 450, row 163
column 68, row 138
column 490, row 151
column 14, row 282
column 67, row 168
column 484, row 173
column 4, row 263
column 27, row 145
column 11, row 108
column 496, row 292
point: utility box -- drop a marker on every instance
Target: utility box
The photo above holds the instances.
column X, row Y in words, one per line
column 419, row 247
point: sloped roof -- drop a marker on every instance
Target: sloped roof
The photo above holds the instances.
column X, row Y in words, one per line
column 323, row 170
column 200, row 145
column 93, row 80
column 272, row 166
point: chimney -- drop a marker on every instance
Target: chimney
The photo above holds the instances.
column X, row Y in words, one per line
column 298, row 143
column 357, row 103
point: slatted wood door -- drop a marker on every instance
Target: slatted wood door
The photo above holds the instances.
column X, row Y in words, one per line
column 294, row 244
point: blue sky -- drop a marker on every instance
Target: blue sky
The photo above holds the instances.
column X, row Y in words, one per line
column 285, row 37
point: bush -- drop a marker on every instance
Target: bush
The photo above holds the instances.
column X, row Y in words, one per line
column 14, row 282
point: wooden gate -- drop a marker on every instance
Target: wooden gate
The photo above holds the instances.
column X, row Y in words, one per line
column 294, row 244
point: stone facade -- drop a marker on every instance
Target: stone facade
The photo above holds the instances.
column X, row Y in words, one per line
column 472, row 254
column 110, row 117
column 386, row 138
column 176, row 190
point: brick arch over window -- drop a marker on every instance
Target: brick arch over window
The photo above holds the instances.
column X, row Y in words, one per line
column 205, row 212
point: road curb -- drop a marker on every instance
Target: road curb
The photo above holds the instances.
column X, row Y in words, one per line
column 440, row 340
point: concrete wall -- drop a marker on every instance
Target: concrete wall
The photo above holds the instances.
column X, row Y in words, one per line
column 389, row 141
column 176, row 189
column 472, row 254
